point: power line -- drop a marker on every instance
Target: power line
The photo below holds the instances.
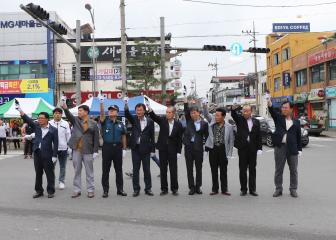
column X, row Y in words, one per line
column 23, row 44
column 262, row 6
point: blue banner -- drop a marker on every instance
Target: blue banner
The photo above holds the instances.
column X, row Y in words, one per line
column 291, row 27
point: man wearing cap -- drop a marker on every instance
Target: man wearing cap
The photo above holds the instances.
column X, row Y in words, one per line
column 114, row 147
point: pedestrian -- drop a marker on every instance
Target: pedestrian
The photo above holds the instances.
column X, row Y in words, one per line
column 114, row 147
column 287, row 146
column 3, row 136
column 84, row 142
column 63, row 138
column 195, row 135
column 45, row 151
column 249, row 145
column 142, row 145
column 169, row 144
column 26, row 131
column 220, row 145
column 16, row 132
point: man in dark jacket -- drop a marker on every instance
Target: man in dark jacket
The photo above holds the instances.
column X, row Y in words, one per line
column 142, row 143
column 249, row 145
column 169, row 145
column 45, row 151
column 195, row 135
column 287, row 146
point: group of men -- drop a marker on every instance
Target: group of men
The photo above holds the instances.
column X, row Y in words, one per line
column 213, row 134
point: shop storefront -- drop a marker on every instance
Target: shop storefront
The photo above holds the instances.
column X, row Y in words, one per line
column 300, row 104
column 317, row 113
column 331, row 100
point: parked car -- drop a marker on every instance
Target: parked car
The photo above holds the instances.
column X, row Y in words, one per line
column 267, row 129
column 312, row 128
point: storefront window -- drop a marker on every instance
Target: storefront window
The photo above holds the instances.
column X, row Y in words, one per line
column 23, row 71
column 317, row 73
column 277, row 84
column 276, row 59
column 286, row 54
column 13, row 69
column 332, row 68
column 301, row 78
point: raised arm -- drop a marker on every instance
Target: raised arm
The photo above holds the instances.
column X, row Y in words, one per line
column 206, row 113
column 102, row 112
column 155, row 117
column 69, row 116
column 128, row 115
column 235, row 115
column 28, row 120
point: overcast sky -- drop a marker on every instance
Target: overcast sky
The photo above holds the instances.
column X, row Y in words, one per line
column 193, row 19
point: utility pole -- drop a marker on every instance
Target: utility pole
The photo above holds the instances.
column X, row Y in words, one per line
column 214, row 66
column 252, row 34
column 163, row 59
column 123, row 48
column 78, row 65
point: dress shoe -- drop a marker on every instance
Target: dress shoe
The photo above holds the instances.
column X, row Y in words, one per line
column 255, row 194
column 149, row 193
column 76, row 194
column 243, row 193
column 136, row 194
column 277, row 193
column 175, row 193
column 121, row 193
column 105, row 195
column 51, row 195
column 199, row 191
column 213, row 193
column 90, row 195
column 293, row 193
column 163, row 193
column 226, row 193
column 192, row 191
column 37, row 195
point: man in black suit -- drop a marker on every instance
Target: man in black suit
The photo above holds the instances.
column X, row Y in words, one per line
column 195, row 135
column 142, row 143
column 45, row 151
column 249, row 145
column 169, row 145
column 287, row 146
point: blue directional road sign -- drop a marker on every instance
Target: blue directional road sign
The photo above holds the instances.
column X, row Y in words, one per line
column 236, row 49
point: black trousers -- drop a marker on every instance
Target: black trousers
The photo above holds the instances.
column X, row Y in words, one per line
column 218, row 159
column 3, row 141
column 28, row 147
column 112, row 153
column 193, row 155
column 16, row 143
column 137, row 159
column 168, row 158
column 44, row 164
column 247, row 160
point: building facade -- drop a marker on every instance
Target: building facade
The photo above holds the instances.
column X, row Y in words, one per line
column 283, row 49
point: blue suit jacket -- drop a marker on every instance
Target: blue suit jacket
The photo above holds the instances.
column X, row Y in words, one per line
column 49, row 144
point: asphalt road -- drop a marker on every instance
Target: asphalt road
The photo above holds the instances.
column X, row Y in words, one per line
column 311, row 216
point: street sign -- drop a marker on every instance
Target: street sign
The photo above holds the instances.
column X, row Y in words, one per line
column 236, row 49
column 291, row 27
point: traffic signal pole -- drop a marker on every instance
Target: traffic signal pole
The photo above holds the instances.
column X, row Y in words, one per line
column 123, row 48
column 76, row 49
column 163, row 60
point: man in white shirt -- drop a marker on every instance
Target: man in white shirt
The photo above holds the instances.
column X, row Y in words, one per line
column 64, row 135
column 3, row 136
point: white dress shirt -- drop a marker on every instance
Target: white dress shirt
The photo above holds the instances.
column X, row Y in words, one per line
column 3, row 130
column 250, row 126
column 143, row 124
column 289, row 124
column 171, row 125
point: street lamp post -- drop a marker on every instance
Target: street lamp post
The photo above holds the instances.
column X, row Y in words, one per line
column 94, row 60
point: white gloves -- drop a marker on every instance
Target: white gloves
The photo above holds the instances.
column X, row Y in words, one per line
column 267, row 97
column 300, row 153
column 234, row 102
column 28, row 137
column 178, row 156
column 54, row 160
column 205, row 101
column 18, row 108
column 101, row 98
column 95, row 155
column 126, row 100
column 63, row 100
column 152, row 154
column 147, row 103
column 124, row 152
column 260, row 152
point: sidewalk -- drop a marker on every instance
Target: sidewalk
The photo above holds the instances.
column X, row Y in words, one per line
column 329, row 133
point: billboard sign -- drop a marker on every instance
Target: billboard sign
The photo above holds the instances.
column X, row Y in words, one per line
column 291, row 27
column 39, row 85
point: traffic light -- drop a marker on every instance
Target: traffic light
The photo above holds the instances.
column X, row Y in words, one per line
column 38, row 11
column 59, row 28
column 258, row 50
column 214, row 48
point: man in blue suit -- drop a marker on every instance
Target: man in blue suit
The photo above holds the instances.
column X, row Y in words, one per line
column 45, row 151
